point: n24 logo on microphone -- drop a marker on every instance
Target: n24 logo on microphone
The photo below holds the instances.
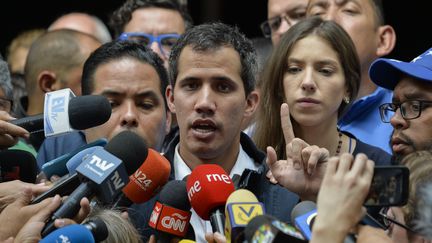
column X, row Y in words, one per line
column 171, row 220
column 140, row 178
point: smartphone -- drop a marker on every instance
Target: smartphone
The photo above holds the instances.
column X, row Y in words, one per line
column 389, row 187
column 62, row 187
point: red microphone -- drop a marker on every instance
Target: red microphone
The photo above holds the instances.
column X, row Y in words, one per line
column 208, row 188
column 146, row 181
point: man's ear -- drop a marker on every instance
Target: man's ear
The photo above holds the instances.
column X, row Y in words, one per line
column 168, row 122
column 387, row 40
column 47, row 81
column 252, row 101
column 169, row 95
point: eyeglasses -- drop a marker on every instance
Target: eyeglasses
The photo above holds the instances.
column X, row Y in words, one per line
column 409, row 110
column 6, row 105
column 387, row 220
column 271, row 25
column 165, row 41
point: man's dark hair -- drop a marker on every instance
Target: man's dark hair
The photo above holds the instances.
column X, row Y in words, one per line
column 123, row 14
column 214, row 36
column 116, row 50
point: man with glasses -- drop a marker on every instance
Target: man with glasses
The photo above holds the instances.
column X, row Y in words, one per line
column 282, row 14
column 409, row 112
column 157, row 24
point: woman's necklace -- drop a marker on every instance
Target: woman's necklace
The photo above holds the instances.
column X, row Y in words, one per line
column 339, row 143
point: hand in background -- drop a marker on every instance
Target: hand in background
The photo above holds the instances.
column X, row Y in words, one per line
column 303, row 169
column 16, row 214
column 9, row 132
column 340, row 200
column 12, row 190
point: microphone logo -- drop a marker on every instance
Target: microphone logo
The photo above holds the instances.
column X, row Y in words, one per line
column 242, row 213
column 171, row 220
column 101, row 164
column 64, row 239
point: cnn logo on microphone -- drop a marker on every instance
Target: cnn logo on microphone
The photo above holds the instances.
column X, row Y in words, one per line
column 171, row 220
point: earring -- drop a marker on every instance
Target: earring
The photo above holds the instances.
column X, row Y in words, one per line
column 346, row 99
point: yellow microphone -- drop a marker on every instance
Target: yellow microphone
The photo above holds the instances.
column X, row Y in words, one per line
column 241, row 206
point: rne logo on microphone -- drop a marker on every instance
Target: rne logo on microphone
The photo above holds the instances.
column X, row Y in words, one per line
column 196, row 187
column 218, row 177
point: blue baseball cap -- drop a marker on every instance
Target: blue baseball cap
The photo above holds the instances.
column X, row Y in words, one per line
column 386, row 72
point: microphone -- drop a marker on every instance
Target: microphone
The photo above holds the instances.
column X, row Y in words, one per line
column 94, row 230
column 208, row 188
column 303, row 215
column 146, row 181
column 241, row 206
column 267, row 229
column 171, row 213
column 64, row 112
column 98, row 228
column 17, row 165
column 103, row 174
column 58, row 166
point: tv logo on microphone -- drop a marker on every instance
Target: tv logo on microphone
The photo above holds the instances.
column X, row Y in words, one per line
column 168, row 219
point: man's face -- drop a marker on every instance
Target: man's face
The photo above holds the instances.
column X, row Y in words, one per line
column 416, row 134
column 357, row 17
column 133, row 89
column 156, row 21
column 210, row 103
column 293, row 10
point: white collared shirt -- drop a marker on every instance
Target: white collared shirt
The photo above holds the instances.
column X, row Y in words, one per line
column 181, row 170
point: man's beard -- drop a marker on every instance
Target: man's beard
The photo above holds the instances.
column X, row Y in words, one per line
column 398, row 158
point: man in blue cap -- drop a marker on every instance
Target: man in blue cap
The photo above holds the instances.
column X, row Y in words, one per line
column 409, row 112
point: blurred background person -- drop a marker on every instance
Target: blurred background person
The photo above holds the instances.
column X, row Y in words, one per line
column 156, row 23
column 55, row 61
column 17, row 52
column 363, row 20
column 83, row 22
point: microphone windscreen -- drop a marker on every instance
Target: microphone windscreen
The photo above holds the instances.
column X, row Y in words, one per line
column 88, row 111
column 74, row 233
column 146, row 181
column 18, row 165
column 98, row 228
column 241, row 195
column 130, row 148
column 301, row 209
column 254, row 224
column 174, row 194
column 208, row 188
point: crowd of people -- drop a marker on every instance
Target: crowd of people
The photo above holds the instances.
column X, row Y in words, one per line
column 308, row 122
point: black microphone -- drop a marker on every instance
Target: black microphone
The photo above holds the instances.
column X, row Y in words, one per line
column 102, row 174
column 127, row 146
column 268, row 229
column 84, row 112
column 171, row 213
column 17, row 165
column 98, row 228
